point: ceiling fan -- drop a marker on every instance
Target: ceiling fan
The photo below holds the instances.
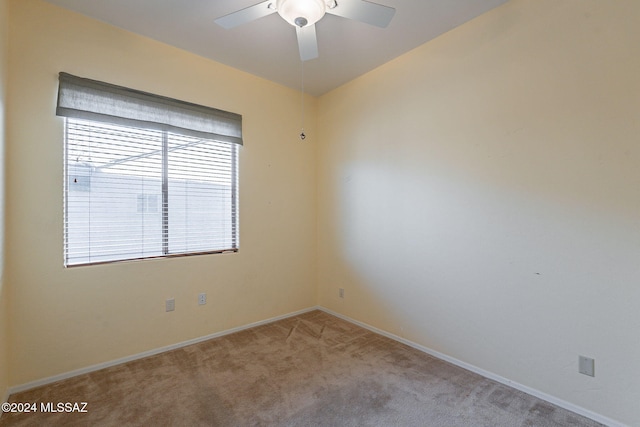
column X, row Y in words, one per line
column 303, row 14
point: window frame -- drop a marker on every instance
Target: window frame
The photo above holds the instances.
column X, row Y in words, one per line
column 164, row 202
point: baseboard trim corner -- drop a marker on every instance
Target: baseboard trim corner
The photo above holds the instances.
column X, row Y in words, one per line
column 490, row 375
column 5, row 398
column 66, row 375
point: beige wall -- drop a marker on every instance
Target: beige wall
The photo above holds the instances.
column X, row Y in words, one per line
column 480, row 196
column 64, row 319
column 4, row 306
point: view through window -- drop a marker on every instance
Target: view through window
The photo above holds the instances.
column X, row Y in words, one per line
column 133, row 193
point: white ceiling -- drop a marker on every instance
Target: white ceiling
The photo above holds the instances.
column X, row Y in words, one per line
column 268, row 47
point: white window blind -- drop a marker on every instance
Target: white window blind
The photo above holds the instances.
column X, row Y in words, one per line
column 134, row 192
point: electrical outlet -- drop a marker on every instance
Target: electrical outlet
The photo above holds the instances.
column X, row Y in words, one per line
column 202, row 299
column 170, row 304
column 341, row 292
column 586, row 366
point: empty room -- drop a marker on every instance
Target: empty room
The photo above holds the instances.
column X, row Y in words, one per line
column 318, row 212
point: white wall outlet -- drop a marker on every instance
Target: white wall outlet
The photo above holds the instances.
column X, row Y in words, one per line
column 170, row 304
column 202, row 299
column 586, row 366
column 341, row 292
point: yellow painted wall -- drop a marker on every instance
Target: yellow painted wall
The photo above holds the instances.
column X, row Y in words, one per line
column 65, row 319
column 480, row 196
column 4, row 306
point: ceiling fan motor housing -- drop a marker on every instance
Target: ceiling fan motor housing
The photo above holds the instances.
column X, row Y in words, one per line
column 301, row 13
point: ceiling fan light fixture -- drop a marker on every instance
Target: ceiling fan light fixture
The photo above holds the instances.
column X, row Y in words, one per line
column 301, row 13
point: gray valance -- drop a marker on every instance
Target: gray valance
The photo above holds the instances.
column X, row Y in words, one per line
column 88, row 99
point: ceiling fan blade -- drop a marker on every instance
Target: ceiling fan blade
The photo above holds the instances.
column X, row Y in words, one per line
column 247, row 14
column 307, row 42
column 364, row 11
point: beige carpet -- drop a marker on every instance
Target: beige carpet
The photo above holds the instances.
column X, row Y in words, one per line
column 309, row 370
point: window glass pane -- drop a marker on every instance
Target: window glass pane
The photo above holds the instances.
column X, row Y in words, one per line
column 201, row 194
column 108, row 167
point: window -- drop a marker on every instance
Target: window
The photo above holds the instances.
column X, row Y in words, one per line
column 148, row 203
column 134, row 192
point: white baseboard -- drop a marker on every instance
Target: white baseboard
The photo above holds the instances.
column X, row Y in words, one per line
column 5, row 398
column 490, row 375
column 97, row 367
